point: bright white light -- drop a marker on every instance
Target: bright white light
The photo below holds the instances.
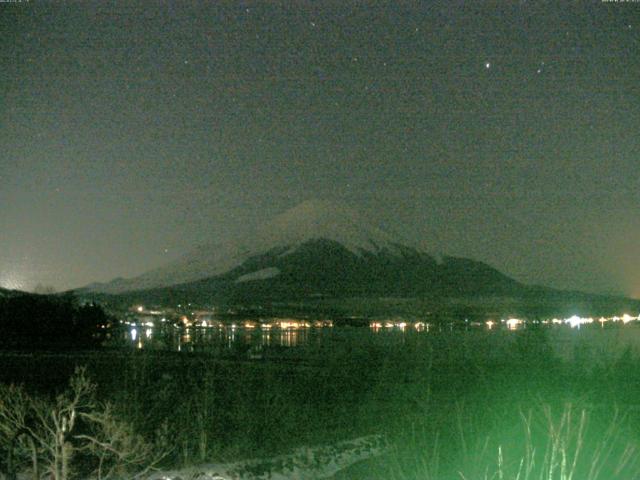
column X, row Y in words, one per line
column 626, row 318
column 513, row 323
column 134, row 334
column 575, row 321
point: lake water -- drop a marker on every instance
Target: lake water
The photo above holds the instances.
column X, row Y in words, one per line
column 254, row 340
column 590, row 341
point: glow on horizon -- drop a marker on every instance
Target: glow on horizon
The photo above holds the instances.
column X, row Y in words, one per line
column 11, row 282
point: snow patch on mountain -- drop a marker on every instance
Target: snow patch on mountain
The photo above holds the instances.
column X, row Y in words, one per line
column 263, row 274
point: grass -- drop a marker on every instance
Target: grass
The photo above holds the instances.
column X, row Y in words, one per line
column 469, row 406
column 543, row 442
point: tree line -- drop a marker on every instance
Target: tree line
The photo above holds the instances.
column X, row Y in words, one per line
column 50, row 321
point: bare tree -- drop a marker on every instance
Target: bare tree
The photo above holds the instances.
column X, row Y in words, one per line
column 51, row 434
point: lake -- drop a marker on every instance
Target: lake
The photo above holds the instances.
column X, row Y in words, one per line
column 598, row 340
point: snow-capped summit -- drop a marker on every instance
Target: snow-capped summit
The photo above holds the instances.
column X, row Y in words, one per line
column 319, row 219
column 310, row 220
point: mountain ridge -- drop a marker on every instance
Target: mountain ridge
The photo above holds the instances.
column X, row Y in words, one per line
column 312, row 219
column 319, row 252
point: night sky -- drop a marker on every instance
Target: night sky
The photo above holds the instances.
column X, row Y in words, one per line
column 508, row 132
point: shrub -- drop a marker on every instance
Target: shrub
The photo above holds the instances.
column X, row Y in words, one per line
column 70, row 435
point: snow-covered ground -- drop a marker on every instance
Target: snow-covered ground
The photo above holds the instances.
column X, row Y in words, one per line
column 307, row 463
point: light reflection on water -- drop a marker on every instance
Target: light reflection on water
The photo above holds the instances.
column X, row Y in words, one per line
column 229, row 337
column 253, row 342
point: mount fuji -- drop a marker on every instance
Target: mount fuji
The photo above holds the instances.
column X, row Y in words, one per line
column 316, row 249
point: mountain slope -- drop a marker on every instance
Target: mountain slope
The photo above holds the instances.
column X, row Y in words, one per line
column 322, row 268
column 307, row 221
column 320, row 250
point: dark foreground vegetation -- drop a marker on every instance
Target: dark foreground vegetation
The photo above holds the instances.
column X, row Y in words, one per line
column 477, row 405
column 31, row 321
